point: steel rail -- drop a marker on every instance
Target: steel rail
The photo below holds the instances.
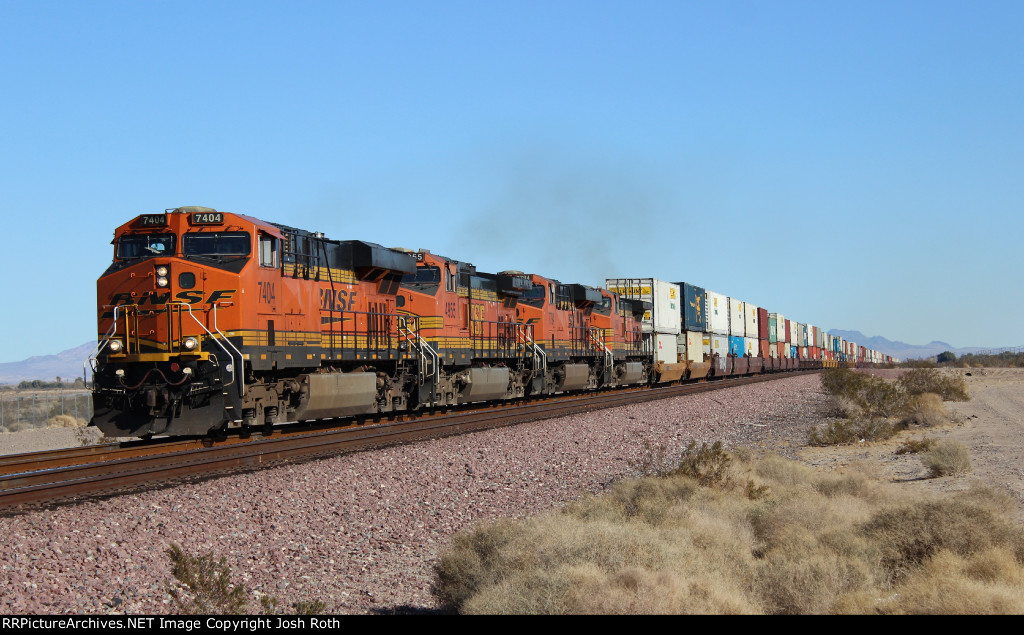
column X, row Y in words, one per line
column 135, row 471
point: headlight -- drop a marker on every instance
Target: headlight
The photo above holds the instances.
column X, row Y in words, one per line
column 190, row 343
column 161, row 271
column 114, row 346
column 161, row 282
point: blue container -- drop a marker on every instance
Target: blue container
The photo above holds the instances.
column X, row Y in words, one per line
column 692, row 309
column 737, row 345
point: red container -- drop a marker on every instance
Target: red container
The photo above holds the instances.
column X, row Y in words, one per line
column 781, row 350
column 762, row 327
column 789, row 336
column 765, row 345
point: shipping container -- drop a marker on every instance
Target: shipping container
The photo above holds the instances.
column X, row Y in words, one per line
column 737, row 346
column 720, row 353
column 694, row 346
column 763, row 348
column 750, row 346
column 773, row 328
column 737, row 317
column 762, row 324
column 718, row 313
column 665, row 348
column 788, row 332
column 693, row 309
column 780, row 326
column 751, row 314
column 663, row 316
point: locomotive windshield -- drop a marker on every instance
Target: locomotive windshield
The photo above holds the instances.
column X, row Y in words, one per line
column 425, row 279
column 145, row 245
column 216, row 244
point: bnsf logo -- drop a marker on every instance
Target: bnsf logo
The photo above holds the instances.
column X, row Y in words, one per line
column 154, row 298
column 337, row 300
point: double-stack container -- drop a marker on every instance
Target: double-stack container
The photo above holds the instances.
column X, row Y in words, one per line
column 693, row 316
column 661, row 323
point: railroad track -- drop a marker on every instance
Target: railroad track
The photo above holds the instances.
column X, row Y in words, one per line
column 63, row 474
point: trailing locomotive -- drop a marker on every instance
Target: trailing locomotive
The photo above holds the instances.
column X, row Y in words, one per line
column 210, row 321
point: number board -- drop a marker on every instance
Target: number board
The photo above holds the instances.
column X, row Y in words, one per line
column 153, row 220
column 207, row 218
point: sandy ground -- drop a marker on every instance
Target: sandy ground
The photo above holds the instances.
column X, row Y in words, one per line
column 991, row 425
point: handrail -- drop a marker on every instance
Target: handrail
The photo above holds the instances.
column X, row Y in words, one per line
column 241, row 379
column 426, row 352
column 111, row 332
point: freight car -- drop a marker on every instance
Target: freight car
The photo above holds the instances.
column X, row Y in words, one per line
column 210, row 321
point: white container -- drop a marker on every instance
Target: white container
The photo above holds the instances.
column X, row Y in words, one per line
column 718, row 313
column 750, row 344
column 665, row 348
column 695, row 346
column 737, row 317
column 720, row 346
column 788, row 352
column 664, row 316
column 751, row 318
column 794, row 333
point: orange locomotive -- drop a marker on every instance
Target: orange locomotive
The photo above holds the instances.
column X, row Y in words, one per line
column 210, row 320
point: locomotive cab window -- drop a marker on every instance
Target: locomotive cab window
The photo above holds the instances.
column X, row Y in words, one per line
column 534, row 296
column 131, row 246
column 268, row 250
column 425, row 279
column 216, row 244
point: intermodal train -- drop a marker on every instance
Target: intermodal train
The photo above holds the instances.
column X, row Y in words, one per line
column 210, row 321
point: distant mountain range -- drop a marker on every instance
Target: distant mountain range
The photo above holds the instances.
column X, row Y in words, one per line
column 901, row 350
column 68, row 364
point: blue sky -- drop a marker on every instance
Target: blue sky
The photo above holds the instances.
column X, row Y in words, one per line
column 855, row 165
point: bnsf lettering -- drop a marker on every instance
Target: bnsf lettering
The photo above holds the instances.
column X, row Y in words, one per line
column 267, row 295
column 154, row 298
column 337, row 299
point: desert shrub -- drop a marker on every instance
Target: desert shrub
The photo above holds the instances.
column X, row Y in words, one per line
column 208, row 589
column 203, row 587
column 908, row 535
column 852, row 431
column 949, row 386
column 857, row 394
column 915, row 446
column 65, row 421
column 926, row 410
column 842, row 382
column 947, row 458
column 880, row 398
column 706, row 465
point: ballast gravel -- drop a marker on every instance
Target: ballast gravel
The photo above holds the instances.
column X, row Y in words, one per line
column 361, row 531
